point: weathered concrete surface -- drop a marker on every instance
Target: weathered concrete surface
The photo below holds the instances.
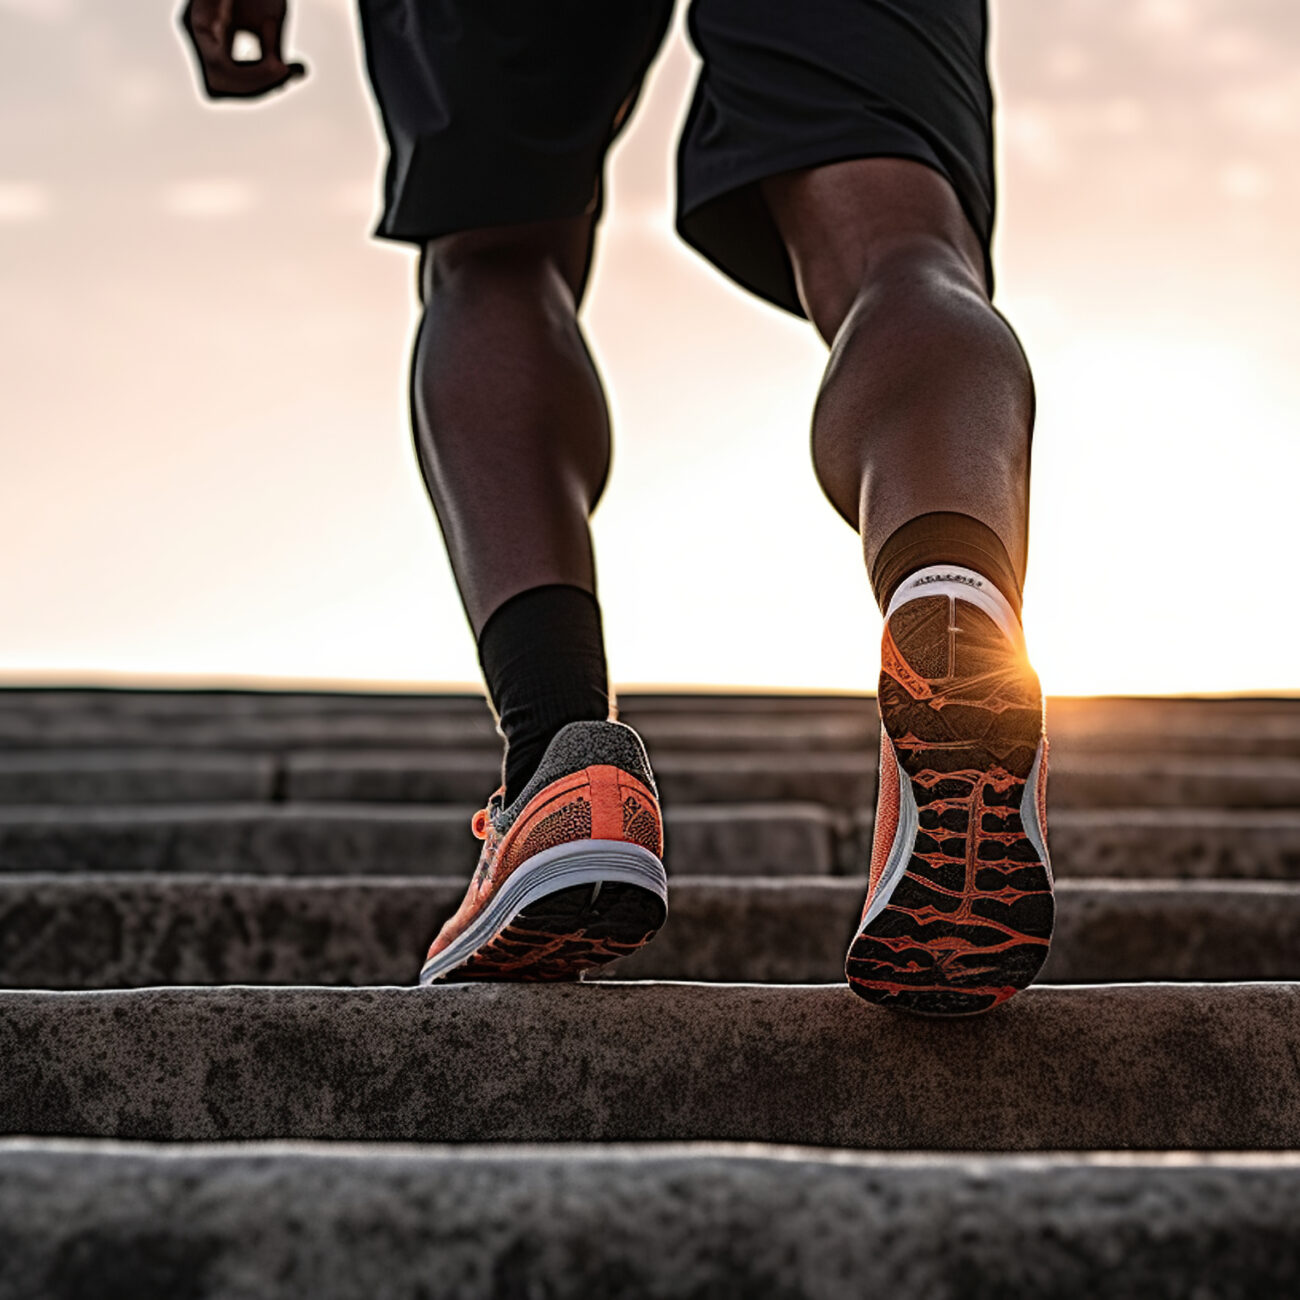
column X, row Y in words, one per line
column 1151, row 1066
column 200, row 719
column 64, row 932
column 751, row 839
column 841, row 780
column 1162, row 781
column 295, row 719
column 134, row 777
column 1150, row 843
column 796, row 931
column 702, row 839
column 393, row 840
column 249, row 838
column 1209, row 726
column 1184, row 843
column 837, row 779
column 73, row 932
column 81, row 1220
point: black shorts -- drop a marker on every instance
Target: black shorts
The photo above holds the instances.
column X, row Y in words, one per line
column 502, row 111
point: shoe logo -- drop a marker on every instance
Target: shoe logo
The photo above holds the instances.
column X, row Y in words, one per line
column 947, row 577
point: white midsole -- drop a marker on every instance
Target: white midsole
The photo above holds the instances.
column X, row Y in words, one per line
column 900, row 851
column 580, row 862
column 1034, row 829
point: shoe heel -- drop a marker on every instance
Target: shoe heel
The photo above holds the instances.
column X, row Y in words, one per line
column 571, row 907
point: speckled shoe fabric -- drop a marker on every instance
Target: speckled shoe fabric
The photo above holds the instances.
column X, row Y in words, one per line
column 571, row 874
column 959, row 908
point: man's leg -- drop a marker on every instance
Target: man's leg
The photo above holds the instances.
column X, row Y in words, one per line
column 513, row 436
column 927, row 404
column 921, row 440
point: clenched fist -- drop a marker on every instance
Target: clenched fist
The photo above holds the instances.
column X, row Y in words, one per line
column 212, row 26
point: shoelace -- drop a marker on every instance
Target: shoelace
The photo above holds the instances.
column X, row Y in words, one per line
column 481, row 822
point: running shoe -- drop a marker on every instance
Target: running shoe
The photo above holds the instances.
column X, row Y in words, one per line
column 959, row 906
column 571, row 874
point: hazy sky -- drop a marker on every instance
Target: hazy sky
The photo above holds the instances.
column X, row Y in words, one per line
column 205, row 468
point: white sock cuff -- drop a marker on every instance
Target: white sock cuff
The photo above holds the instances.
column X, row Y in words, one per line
column 963, row 584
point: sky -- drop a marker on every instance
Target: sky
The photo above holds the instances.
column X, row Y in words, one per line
column 206, row 472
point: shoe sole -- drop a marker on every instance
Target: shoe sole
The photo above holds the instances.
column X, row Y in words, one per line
column 962, row 917
column 561, row 912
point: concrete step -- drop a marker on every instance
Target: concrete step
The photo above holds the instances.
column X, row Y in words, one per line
column 69, row 718
column 835, row 779
column 328, row 840
column 838, row 780
column 68, row 932
column 82, row 777
column 708, row 839
column 1154, row 1066
column 104, row 1219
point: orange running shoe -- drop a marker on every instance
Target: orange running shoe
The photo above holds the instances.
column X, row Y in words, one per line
column 571, row 874
column 959, row 906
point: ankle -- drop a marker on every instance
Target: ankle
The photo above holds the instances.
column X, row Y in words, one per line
column 945, row 538
column 543, row 658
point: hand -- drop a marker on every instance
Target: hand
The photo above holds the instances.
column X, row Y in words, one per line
column 212, row 25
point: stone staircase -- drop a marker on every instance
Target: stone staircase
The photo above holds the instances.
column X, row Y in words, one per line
column 199, row 1102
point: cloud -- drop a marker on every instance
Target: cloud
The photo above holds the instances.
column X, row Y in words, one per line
column 1165, row 17
column 211, row 199
column 48, row 11
column 1246, row 182
column 23, row 201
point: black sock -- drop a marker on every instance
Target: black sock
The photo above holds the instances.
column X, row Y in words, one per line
column 543, row 657
column 942, row 537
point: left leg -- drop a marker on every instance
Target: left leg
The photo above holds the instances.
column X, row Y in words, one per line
column 838, row 160
column 921, row 440
column 927, row 403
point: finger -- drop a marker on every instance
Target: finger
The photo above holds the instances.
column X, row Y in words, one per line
column 249, row 80
column 271, row 34
column 208, row 26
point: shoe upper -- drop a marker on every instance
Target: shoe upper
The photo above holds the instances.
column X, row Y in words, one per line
column 594, row 783
column 576, row 747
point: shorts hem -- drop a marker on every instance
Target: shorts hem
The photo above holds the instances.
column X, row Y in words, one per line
column 728, row 223
column 424, row 203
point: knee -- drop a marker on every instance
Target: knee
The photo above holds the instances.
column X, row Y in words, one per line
column 868, row 225
column 911, row 267
column 543, row 262
column 455, row 266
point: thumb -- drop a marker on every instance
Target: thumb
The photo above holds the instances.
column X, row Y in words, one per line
column 270, row 35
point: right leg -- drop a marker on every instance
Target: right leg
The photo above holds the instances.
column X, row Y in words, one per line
column 513, row 437
column 499, row 116
column 510, row 417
